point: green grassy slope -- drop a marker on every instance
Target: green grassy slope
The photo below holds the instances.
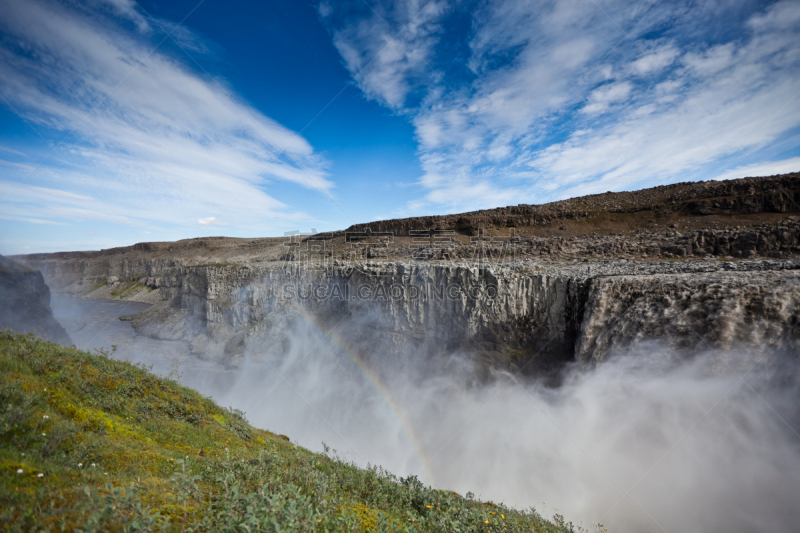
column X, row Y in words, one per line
column 92, row 444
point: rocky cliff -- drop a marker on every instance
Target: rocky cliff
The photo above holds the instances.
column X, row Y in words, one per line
column 747, row 218
column 518, row 316
column 529, row 319
column 756, row 311
column 25, row 303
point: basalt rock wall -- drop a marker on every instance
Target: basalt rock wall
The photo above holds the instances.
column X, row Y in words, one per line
column 752, row 311
column 509, row 317
column 519, row 320
column 75, row 275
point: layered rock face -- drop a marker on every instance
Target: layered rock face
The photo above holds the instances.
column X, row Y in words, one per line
column 692, row 313
column 25, row 302
column 742, row 218
column 75, row 274
column 515, row 316
column 530, row 319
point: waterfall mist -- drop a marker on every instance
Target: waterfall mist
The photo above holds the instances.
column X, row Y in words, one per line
column 645, row 441
column 648, row 440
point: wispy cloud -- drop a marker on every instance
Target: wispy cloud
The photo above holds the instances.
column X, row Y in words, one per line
column 771, row 168
column 23, row 166
column 32, row 220
column 146, row 139
column 654, row 61
column 554, row 99
column 601, row 98
column 11, row 150
column 388, row 50
column 211, row 221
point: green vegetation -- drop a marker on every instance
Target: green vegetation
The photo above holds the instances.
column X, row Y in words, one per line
column 89, row 444
column 100, row 283
column 126, row 289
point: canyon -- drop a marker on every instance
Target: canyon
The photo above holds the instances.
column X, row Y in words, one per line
column 528, row 289
column 573, row 353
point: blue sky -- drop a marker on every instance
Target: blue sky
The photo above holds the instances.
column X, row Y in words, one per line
column 123, row 122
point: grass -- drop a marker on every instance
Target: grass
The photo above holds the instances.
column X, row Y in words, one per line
column 127, row 288
column 88, row 443
column 97, row 285
column 122, row 290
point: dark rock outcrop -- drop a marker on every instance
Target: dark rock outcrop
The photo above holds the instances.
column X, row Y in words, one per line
column 772, row 194
column 749, row 311
column 25, row 302
column 766, row 240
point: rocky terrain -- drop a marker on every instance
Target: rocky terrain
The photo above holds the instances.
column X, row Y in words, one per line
column 520, row 316
column 699, row 266
column 775, row 194
column 26, row 302
column 751, row 310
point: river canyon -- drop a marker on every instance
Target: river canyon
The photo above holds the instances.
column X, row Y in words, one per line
column 629, row 360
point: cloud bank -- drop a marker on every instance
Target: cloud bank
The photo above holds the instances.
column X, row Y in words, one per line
column 146, row 141
column 534, row 101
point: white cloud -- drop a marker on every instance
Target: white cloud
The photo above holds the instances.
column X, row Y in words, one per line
column 712, row 61
column 61, row 194
column 720, row 114
column 30, row 220
column 211, row 221
column 385, row 51
column 324, row 9
column 150, row 140
column 601, row 98
column 569, row 98
column 29, row 168
column 128, row 9
column 11, row 150
column 784, row 16
column 654, row 61
column 770, row 168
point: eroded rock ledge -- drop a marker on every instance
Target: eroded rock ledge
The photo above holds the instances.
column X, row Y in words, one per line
column 754, row 311
column 524, row 316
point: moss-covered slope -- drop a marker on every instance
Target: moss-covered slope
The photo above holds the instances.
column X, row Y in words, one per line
column 93, row 444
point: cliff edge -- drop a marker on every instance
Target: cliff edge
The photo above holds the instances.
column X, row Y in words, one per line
column 26, row 302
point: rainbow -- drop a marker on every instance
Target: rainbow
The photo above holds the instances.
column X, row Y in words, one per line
column 375, row 380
